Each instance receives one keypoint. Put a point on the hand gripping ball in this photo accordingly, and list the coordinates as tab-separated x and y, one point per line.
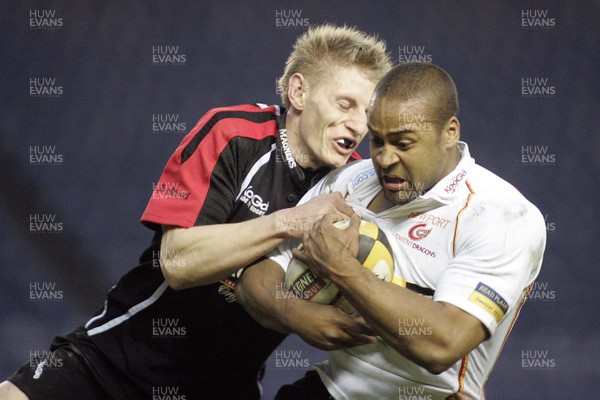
374	253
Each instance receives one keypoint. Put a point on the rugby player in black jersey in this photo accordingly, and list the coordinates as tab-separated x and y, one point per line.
225	198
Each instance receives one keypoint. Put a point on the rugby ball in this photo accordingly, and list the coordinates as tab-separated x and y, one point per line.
374	253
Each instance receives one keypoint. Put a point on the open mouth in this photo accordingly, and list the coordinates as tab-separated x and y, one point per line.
346	143
393	183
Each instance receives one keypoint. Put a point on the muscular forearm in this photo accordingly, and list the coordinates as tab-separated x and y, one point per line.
260	291
204	254
432	334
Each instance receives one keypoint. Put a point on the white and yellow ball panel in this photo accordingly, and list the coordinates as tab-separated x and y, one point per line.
374	253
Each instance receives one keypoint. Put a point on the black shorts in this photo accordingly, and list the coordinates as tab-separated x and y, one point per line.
58	374
309	387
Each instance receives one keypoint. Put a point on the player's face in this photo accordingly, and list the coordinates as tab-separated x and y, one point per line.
334	117
410	151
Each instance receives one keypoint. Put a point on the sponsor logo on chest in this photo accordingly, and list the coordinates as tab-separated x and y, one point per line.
426	224
254	202
417	233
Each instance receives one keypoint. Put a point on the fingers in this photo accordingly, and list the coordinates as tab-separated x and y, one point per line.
352	340
305	258
326	220
355	220
328	328
298	252
329	219
354	332
341	206
363	326
342	339
331	204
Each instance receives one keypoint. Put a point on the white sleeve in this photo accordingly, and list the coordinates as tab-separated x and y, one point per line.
498	253
282	254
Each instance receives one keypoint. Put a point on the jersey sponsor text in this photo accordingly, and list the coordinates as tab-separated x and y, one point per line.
430	218
452	186
287	151
254	202
487	298
407	242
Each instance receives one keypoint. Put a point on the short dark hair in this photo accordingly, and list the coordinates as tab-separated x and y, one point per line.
424	83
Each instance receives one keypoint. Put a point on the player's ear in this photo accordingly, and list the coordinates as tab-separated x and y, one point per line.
296	88
451	131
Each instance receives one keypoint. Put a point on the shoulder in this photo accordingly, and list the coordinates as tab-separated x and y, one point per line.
256	116
218	128
498	205
340	179
354	173
247	110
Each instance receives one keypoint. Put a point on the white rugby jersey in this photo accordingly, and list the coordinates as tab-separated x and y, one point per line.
473	241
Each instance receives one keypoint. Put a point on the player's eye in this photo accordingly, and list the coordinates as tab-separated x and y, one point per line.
375	140
344	105
403	145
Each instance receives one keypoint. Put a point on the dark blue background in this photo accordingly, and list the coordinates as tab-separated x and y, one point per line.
102	126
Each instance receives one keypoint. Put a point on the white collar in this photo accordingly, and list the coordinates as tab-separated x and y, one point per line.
442	193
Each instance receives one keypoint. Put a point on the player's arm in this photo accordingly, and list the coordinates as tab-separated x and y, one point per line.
431	333
8	391
204	254
261	292
450	333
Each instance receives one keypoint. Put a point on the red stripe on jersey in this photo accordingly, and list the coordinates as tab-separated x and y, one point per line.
471	194
462	373
184	184
354	156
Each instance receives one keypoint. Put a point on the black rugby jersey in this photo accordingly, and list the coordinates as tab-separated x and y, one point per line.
197	343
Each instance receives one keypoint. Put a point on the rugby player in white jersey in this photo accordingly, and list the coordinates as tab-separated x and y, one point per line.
467	247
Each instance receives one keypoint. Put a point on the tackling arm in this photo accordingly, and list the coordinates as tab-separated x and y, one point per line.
205	254
262	293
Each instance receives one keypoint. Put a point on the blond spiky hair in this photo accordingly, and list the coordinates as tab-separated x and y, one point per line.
325	45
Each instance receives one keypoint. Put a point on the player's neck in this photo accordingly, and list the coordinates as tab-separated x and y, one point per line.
380	203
